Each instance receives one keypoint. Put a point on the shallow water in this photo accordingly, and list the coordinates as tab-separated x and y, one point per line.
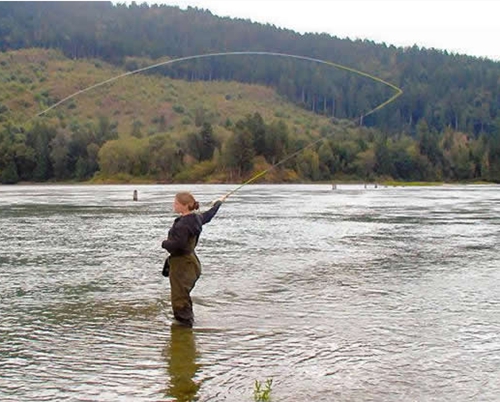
348	295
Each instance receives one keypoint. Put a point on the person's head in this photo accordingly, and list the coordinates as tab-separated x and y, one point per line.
185	203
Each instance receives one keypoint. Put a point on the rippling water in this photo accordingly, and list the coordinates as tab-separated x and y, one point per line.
387	294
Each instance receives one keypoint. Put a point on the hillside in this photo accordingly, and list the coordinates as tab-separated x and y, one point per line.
138	110
441	90
32	80
154	128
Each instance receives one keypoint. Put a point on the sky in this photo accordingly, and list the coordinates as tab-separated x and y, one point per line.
469	27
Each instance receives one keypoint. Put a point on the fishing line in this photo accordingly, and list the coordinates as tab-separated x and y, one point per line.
398	92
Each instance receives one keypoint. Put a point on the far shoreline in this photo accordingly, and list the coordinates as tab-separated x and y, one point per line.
382	183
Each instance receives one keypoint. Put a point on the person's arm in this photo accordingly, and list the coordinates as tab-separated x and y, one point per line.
177	241
208	215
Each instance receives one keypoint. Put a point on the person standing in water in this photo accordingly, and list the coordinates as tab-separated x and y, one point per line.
184	265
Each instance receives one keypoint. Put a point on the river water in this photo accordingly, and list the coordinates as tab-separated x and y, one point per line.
353	294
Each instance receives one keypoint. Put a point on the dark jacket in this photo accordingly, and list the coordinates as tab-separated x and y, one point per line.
184	234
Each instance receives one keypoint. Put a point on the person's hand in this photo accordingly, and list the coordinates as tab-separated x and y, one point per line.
221	199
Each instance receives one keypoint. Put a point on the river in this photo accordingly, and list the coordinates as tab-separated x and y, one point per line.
353	294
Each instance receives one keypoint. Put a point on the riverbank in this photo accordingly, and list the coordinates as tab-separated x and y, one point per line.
142	181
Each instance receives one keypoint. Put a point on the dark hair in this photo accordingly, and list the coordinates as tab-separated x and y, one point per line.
187	199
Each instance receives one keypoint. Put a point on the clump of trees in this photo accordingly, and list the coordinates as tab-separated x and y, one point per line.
81	152
44	152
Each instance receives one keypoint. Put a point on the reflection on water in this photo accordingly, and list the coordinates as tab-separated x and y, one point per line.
180	355
387	294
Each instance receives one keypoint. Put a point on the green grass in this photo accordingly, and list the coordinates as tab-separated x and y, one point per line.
262	392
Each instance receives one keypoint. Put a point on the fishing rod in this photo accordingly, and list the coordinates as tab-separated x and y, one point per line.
398	92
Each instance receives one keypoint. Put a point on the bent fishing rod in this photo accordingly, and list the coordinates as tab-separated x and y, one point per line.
398	92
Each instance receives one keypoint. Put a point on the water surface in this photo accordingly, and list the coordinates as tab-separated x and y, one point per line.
348	295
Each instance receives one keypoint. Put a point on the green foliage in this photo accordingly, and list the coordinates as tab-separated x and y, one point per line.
178	109
202	145
59	156
262	392
308	164
106	130
9	174
81	169
161	121
136	129
124	156
202	116
230	137
255	124
239	151
197	173
276	140
40	138
492	162
445	90
165	158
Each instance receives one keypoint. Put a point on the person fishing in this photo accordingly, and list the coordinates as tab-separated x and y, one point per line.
182	265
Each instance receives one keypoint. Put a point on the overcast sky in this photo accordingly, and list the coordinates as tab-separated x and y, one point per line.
460	26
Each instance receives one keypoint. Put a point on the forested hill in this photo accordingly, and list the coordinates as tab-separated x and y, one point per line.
444	90
223	119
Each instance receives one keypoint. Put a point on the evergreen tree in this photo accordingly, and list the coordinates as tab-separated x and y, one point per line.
239	151
208	142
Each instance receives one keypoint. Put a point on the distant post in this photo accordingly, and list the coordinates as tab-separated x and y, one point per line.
135	195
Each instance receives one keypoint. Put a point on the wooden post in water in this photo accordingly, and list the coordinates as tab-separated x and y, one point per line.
135	195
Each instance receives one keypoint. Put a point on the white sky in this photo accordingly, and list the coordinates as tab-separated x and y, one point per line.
460	26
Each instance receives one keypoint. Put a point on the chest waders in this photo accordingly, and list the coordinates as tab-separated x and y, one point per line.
184	272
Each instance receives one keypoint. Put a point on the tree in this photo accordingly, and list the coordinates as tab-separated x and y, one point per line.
59	156
93	159
201	145
365	164
326	160
24	157
39	138
462	165
124	156
81	168
239	151
136	129
428	143
308	164
9	173
257	127
276	141
106	131
494	154
383	165
404	166
114	158
194	145
208	142
165	160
